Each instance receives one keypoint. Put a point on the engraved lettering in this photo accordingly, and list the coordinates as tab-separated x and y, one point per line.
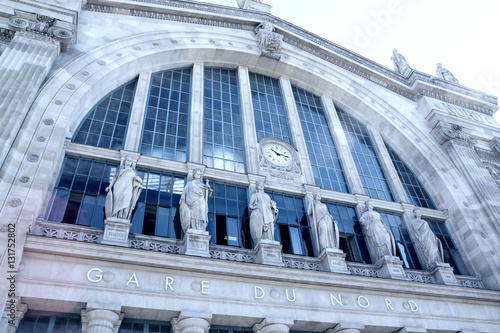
133	279
204	287
258	290
388	304
366	302
97	277
338	300
168	283
288	297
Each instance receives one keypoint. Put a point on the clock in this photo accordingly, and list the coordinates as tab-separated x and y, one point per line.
278	154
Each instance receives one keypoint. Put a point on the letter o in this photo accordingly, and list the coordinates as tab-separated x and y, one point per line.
366	300
98	276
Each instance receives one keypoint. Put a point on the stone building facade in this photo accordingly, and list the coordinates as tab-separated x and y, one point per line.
178	85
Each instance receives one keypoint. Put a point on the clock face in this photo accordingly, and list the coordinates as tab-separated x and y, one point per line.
278	154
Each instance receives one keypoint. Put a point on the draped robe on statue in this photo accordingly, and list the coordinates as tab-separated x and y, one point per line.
428	243
124	194
328	234
193	209
262	217
380	239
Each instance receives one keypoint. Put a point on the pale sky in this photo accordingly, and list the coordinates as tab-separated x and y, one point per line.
460	34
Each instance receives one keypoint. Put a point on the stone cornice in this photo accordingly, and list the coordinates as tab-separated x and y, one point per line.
413	87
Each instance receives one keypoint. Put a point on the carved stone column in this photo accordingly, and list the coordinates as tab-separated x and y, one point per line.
460	148
101	319
273	325
23	67
191	322
347	328
12	316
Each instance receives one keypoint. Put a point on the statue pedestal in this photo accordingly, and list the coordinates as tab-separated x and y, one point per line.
116	232
195	243
333	260
268	253
391	268
442	273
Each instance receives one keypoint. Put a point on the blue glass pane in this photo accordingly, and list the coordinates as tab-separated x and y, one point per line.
367	162
165	130
106	123
269	110
327	168
352	241
404	246
221	129
413	188
293	230
228	215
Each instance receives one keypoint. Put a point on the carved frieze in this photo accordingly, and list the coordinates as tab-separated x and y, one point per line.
270	42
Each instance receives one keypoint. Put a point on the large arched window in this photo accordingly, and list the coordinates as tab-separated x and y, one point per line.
79	195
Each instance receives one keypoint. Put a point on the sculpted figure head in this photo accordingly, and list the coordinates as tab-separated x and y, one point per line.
260	185
369	205
417	213
317	197
197	173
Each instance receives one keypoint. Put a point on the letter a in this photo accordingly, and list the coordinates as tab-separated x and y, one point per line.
133	279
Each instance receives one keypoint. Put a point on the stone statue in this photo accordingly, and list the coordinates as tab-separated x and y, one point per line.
193	205
400	64
326	226
270	43
380	238
430	246
123	191
445	74
263	215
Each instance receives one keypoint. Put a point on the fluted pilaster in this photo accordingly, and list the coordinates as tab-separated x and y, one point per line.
100	321
190	325
23	67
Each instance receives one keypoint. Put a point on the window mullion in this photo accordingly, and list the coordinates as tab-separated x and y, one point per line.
196	115
134	132
247	114
296	130
389	169
345	155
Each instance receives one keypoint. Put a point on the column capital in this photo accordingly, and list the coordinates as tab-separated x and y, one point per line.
273	325
447	132
347	328
101	318
412	330
192	322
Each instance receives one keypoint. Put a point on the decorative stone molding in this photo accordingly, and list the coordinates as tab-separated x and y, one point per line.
257	5
268	252
442	273
391	267
6	35
444	132
44	26
495	145
270	42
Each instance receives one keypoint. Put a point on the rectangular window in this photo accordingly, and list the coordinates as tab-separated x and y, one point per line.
271	119
223	145
166	122
228	215
367	162
323	155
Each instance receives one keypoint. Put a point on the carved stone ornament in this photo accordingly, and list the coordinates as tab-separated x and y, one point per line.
445	74
495	145
494	171
450	132
44	26
278	159
400	64
123	192
378	235
264	214
430	246
270	42
193	205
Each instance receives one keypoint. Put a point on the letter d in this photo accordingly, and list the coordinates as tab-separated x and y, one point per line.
259	292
